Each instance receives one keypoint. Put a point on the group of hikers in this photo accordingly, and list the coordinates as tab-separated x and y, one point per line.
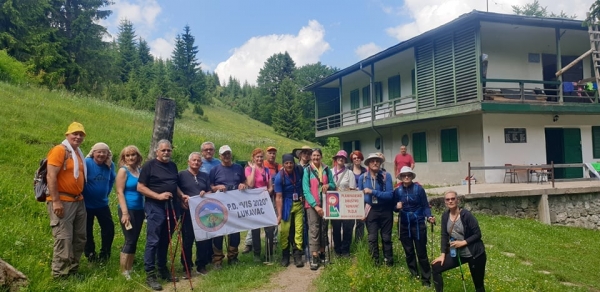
157	193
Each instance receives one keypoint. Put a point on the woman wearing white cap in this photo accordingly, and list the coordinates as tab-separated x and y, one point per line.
344	180
376	184
414	211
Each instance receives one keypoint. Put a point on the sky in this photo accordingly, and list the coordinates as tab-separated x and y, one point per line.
235	37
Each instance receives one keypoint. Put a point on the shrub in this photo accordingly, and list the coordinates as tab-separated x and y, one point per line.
13	71
198	110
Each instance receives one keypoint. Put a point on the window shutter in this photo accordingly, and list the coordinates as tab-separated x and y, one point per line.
394	87
449	145
366	96
419	142
596	141
354	99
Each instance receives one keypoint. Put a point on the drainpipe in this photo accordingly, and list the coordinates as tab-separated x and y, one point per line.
372	93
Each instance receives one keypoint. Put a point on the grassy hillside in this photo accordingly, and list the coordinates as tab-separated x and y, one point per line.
33	120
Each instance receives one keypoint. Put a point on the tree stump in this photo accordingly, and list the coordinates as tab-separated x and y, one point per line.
10	278
164	123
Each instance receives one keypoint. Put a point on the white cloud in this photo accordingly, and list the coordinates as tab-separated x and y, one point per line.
246	61
142	13
367	50
162	48
428	14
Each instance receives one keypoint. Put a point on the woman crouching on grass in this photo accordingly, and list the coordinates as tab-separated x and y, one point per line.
131	205
460	231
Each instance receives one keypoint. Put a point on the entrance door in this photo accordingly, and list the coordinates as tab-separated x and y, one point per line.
563	145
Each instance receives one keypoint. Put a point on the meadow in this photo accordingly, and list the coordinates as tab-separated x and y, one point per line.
523	255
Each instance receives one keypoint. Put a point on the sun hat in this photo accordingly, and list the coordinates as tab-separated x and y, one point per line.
102	146
75	127
297	151
407	169
341	153
224	149
373	156
271	148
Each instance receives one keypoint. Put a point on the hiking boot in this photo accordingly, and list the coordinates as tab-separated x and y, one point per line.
234	261
247	249
92	257
314	263
298	262
322	257
217	266
389	263
152	282
202	271
257	258
166	275
285	258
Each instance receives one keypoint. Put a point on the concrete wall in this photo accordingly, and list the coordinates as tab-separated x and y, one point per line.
434	172
577	210
498	153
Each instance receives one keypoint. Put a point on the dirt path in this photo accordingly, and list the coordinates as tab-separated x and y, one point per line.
292	279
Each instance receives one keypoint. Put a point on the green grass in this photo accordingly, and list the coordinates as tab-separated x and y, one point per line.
568	254
33	120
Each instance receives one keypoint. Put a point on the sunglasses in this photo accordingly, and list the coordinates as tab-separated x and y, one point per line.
450	199
405	175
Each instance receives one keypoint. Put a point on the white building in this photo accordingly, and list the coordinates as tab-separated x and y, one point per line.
435	94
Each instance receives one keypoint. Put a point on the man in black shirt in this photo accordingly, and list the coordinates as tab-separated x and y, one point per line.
158	183
224	177
193	182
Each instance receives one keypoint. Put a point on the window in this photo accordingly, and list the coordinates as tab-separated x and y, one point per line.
378	92
419	146
596	141
350	146
413	81
354	99
366	91
394	87
449	145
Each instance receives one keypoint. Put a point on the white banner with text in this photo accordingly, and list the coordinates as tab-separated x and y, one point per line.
344	205
223	213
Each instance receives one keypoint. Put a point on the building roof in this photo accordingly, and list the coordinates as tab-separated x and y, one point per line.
465	19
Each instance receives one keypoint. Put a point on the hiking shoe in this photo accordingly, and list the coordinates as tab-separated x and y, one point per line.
285	258
92	257
234	261
247	249
322	257
217	266
152	282
257	258
165	275
314	263
202	271
127	275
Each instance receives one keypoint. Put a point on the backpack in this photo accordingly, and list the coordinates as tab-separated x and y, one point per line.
40	182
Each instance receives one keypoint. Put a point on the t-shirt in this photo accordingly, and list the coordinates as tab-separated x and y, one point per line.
273	168
403	160
99	184
192	185
65	180
288	184
160	177
261	176
208	165
230	176
133	199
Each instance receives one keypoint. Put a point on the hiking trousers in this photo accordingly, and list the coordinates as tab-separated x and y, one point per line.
476	266
380	221
107	232
157	236
69	237
291	230
203	248
342	235
414	243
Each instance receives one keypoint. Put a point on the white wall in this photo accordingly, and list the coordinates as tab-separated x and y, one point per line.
498	153
434	172
508	47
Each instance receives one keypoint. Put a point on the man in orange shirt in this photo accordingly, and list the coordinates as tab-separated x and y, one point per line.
66	178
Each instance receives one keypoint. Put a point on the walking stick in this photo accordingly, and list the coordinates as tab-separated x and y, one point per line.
432	240
171	251
177	229
462	275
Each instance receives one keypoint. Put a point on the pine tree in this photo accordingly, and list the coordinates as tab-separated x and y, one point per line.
128	56
186	69
285	116
277	68
143	50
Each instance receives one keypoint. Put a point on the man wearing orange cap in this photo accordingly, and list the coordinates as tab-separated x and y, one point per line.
66	178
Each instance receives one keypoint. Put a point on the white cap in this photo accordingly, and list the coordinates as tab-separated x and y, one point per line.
224	149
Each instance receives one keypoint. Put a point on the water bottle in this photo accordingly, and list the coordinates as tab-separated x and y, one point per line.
452	249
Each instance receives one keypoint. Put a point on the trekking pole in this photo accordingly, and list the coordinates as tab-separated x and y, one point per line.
432	241
178	230
171	252
328	243
462	275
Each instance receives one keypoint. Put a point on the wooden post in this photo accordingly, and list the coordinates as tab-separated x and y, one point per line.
469	178
552	163
164	123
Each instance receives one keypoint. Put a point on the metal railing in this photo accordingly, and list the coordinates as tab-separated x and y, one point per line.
548	168
533	91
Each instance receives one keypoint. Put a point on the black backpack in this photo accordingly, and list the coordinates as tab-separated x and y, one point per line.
40	183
